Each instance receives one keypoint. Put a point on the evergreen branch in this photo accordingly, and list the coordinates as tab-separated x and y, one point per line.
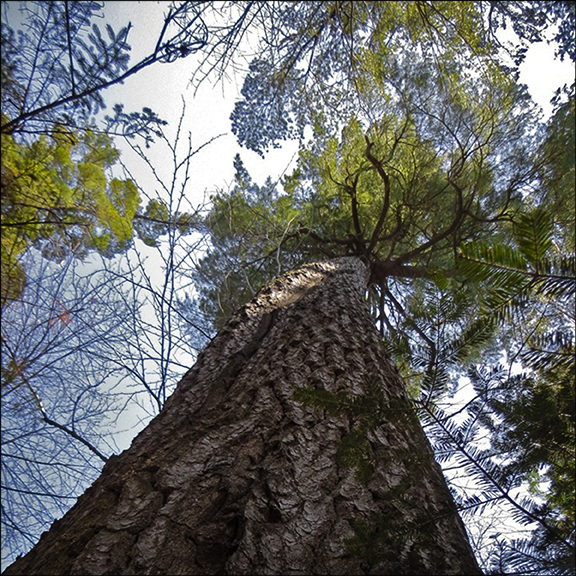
456	222
422	334
533	233
67	18
534	275
490	478
323	399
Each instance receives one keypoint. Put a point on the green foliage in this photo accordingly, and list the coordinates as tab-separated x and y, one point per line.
528	288
156	221
533	235
395	541
56	196
366	541
309	71
557	171
247	227
368	411
530	268
550	351
355	452
538	439
435	333
514	273
543	408
334	404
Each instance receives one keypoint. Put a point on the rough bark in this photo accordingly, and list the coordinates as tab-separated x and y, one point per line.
236	477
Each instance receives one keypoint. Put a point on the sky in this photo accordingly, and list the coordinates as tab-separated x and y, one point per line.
162	87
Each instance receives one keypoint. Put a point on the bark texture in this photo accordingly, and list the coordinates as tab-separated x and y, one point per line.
236	477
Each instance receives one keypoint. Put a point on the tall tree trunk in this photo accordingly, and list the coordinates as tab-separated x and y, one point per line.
236	477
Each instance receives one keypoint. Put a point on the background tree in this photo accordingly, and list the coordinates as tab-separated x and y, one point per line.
59	408
56	63
531	292
56	196
59	195
313	54
242	249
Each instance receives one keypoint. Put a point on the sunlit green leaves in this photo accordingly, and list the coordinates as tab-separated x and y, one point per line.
55	194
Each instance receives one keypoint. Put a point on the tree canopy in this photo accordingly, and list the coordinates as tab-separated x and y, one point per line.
419	152
57	196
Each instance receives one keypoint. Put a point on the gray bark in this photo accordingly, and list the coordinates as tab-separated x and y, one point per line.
236	477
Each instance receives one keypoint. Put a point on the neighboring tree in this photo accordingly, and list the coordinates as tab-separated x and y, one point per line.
310	63
56	190
244	225
163	340
58	403
530	416
56	196
237	475
558	173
